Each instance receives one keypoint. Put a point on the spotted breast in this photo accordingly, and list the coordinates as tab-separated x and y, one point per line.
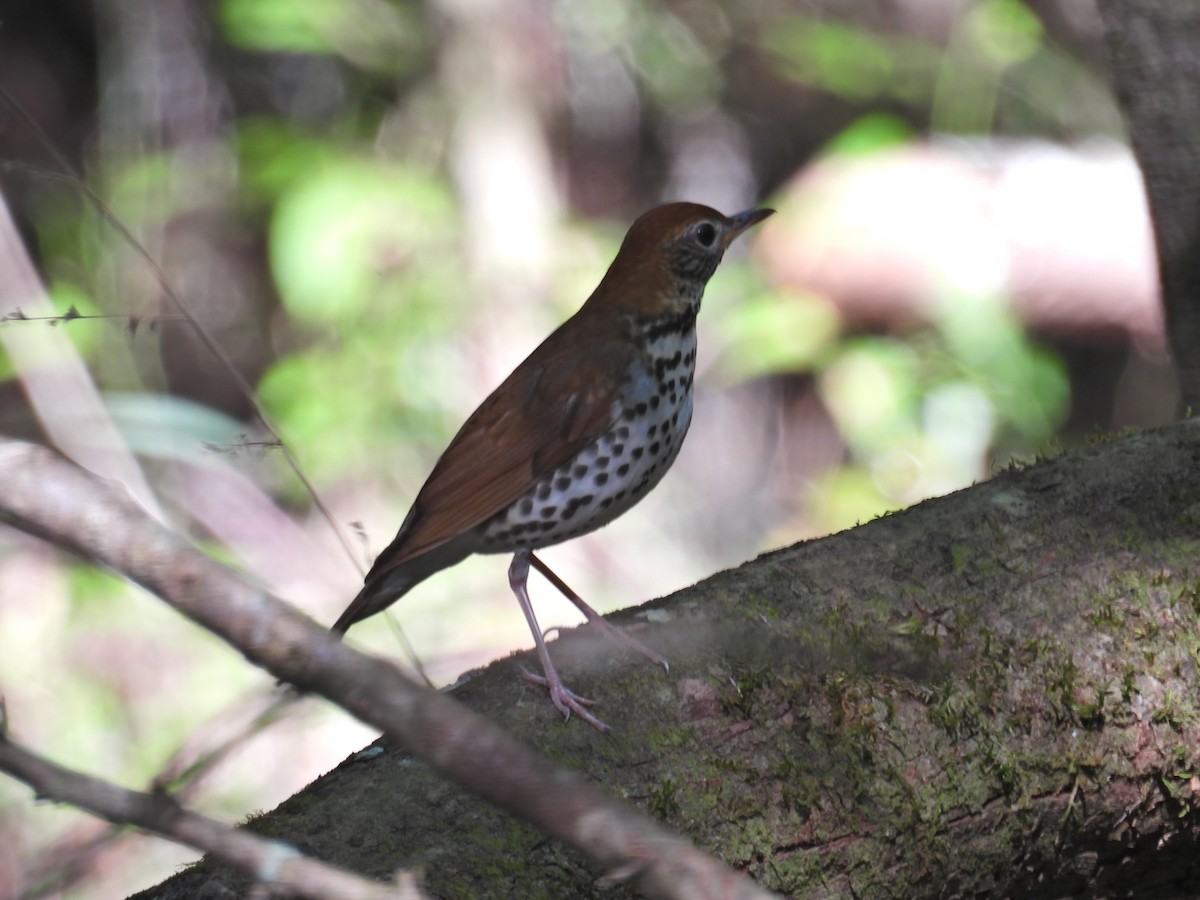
650	417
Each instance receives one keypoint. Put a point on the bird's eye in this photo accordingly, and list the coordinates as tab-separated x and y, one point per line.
705	233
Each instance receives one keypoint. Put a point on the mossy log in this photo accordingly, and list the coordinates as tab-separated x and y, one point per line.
992	693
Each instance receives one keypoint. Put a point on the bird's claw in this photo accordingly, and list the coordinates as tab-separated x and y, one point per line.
565	700
620	636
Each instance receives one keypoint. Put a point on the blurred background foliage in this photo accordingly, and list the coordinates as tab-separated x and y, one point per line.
378	207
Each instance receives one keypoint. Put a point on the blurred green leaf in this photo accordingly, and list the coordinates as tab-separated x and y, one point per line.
925	413
141	192
343	231
872	390
299	390
775	333
281	25
869	134
850	61
679	71
382	392
998	68
168	427
844	497
276	156
388	37
1005	30
1027	384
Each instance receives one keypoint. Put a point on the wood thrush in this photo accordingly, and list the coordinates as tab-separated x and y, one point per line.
577	434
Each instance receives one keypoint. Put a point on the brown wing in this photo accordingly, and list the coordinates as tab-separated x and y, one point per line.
549	409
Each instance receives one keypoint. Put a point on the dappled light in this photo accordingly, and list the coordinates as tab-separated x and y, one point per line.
376	210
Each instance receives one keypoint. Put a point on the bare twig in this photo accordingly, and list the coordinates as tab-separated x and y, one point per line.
59	387
273	863
207	747
45	495
244	388
205	750
209	342
132	322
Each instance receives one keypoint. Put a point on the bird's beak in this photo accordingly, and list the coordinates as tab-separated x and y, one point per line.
739	222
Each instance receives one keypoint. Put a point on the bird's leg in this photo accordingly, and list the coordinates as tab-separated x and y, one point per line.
564	699
595	619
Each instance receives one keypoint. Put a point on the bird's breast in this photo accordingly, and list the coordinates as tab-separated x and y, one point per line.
651	415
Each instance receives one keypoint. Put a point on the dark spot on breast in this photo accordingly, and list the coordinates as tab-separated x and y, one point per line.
651	431
654	401
641	409
600	479
562	483
601	462
547	512
636	454
579	471
622	433
654	449
548	526
526	506
623	469
543	491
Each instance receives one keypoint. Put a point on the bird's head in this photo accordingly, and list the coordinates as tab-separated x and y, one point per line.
669	254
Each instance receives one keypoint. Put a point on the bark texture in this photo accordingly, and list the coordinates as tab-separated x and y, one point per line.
1154	61
993	693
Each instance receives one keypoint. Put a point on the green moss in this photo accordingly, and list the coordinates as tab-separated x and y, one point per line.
663	801
961	555
1174	712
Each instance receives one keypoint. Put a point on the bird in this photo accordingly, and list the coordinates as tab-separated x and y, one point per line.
579	432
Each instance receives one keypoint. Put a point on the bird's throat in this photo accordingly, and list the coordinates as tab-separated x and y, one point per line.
648	331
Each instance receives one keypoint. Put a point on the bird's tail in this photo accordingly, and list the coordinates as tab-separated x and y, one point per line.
385	586
370	600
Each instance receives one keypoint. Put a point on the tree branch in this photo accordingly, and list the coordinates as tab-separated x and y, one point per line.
990	694
45	495
273	863
1154	58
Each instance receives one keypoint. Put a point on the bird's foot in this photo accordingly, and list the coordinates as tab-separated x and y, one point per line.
595	619
620	636
565	700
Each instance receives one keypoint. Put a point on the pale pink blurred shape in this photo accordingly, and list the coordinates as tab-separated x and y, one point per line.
1063	233
303	565
57	383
